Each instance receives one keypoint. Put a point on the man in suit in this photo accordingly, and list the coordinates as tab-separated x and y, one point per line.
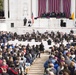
25	21
49	42
41	47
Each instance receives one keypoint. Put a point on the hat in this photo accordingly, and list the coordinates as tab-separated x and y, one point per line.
51	65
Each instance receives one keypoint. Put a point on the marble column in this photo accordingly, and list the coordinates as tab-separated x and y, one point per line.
35	7
19	9
73	7
6	9
29	8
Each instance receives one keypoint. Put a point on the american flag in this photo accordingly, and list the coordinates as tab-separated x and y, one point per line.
32	17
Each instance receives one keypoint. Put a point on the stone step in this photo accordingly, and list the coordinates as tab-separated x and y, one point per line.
38	65
37	68
35	74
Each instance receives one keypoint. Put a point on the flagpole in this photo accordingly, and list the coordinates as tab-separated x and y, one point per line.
31	10
31	6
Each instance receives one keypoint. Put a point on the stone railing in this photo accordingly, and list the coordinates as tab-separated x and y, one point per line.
2	20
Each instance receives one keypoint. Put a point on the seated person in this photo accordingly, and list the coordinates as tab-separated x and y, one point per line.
53	14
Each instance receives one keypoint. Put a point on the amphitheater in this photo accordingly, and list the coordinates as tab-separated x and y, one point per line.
41	17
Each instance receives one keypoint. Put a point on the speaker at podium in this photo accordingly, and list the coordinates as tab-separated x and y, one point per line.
62	23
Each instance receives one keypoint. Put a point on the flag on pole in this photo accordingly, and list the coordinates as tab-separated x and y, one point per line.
72	16
32	17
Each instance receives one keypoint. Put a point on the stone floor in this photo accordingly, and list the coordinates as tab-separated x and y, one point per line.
38	66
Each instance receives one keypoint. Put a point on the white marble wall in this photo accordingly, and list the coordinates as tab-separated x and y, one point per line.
6	8
13	12
19	9
23	8
35	8
52	23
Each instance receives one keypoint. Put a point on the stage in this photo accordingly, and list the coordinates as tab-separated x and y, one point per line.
40	24
52	23
49	24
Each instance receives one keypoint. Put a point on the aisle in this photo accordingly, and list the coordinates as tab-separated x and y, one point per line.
37	67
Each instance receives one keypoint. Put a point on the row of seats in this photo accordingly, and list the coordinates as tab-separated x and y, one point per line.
53	14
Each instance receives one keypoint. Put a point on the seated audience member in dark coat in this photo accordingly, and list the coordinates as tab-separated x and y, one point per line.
49	42
12	70
72	68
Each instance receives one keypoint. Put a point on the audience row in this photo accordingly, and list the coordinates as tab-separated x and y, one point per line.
16	59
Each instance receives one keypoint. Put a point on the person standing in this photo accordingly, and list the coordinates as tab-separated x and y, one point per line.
37	51
41	47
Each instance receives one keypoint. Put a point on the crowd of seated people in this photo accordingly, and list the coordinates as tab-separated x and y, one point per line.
16	59
53	14
37	36
62	59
